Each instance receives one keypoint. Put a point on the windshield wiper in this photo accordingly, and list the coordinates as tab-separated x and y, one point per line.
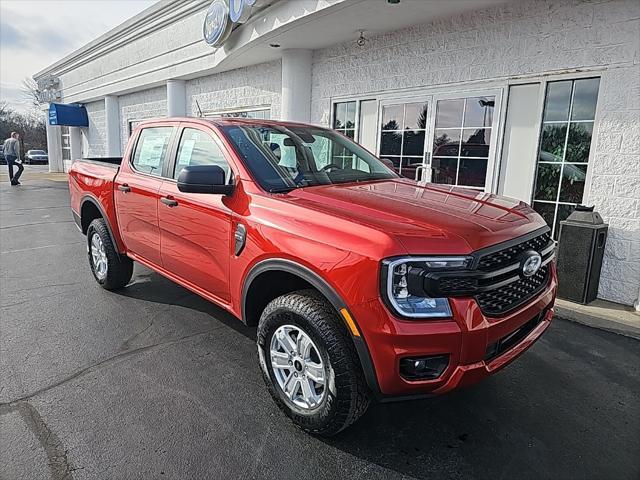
281	189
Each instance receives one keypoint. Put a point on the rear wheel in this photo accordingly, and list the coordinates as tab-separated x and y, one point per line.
310	365
110	270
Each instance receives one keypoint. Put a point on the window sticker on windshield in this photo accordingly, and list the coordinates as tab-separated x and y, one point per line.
151	151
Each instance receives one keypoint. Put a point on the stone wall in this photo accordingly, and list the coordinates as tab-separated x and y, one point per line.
257	85
96	133
139	106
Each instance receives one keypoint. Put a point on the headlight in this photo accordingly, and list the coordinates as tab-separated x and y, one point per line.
402	286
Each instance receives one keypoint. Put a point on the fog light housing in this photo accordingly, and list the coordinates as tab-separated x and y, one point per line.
423	368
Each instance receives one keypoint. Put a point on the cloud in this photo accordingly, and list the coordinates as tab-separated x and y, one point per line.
10	37
41	38
37	33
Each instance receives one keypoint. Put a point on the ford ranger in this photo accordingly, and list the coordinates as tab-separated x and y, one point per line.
362	285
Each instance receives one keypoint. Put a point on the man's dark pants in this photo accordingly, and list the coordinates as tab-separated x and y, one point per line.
11	161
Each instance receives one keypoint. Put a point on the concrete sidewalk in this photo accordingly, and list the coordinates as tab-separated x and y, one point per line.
609	316
33	173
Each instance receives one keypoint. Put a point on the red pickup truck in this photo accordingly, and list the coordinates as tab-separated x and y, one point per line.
362	284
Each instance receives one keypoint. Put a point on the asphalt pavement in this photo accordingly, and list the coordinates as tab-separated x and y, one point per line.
155	383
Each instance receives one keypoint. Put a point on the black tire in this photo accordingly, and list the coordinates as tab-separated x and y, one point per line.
119	267
347	396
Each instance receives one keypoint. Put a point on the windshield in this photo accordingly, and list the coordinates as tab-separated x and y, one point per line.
284	158
36	152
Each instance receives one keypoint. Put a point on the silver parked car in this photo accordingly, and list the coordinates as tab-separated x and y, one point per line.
36	156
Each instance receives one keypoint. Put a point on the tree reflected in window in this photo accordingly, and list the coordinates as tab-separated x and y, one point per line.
565	144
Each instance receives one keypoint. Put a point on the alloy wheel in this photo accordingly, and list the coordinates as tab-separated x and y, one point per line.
298	367
99	257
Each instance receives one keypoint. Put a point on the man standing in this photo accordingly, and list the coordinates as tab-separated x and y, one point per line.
12	155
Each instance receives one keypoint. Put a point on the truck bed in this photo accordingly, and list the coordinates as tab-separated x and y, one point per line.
93	178
108	161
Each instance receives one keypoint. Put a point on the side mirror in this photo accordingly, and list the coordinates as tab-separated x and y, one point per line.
204	179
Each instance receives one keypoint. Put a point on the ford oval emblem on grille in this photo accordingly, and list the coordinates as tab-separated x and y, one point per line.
530	263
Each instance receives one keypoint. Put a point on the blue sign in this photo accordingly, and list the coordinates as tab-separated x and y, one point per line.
222	16
72	115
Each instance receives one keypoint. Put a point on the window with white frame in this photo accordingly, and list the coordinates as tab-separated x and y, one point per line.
344	121
565	144
66	142
344	118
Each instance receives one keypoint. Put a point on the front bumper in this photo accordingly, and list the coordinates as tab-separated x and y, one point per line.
465	338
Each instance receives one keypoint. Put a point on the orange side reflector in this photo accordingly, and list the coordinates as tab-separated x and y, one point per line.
352	325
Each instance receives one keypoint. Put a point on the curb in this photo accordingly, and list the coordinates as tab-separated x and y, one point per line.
598	322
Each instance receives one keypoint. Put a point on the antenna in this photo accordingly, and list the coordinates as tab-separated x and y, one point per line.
199	110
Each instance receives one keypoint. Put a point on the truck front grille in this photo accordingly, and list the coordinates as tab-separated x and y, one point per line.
504	299
496	280
502	258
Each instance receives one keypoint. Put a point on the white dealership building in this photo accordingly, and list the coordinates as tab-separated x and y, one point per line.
534	99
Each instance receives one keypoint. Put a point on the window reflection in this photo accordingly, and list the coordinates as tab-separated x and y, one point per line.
565	144
472	172
553	141
584	99
449	113
402	136
344	121
579	142
463	131
558	100
479	112
444	170
447	143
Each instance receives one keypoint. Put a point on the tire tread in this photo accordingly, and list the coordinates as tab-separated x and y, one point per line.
120	268
354	396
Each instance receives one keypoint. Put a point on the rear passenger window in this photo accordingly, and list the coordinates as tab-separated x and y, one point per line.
199	148
151	150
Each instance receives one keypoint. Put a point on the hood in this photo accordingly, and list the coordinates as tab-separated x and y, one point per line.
425	219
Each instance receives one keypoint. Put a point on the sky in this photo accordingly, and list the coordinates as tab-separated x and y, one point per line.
35	34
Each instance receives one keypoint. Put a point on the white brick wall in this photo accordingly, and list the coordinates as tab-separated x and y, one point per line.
519	38
97	141
256	85
138	106
615	188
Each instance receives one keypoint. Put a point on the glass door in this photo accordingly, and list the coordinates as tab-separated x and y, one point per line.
463	139
448	138
403	127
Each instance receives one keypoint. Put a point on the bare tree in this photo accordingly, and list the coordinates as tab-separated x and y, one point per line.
32	93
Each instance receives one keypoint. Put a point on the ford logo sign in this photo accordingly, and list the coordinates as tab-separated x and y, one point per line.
222	16
530	263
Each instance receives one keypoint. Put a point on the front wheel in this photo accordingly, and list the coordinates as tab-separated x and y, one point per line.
310	364
110	270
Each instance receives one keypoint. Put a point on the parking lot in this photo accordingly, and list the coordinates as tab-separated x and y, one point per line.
154	382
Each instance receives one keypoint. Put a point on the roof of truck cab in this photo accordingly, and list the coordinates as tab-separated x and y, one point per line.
224	121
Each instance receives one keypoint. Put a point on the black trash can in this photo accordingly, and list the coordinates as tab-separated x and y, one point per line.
580	251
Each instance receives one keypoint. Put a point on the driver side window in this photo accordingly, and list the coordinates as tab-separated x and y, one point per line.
199	148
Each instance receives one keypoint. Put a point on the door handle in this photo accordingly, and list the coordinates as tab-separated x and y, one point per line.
169	202
124	188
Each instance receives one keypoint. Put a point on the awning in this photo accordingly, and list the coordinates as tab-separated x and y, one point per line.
71	115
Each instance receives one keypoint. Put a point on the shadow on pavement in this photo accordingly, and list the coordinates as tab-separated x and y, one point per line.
153	287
